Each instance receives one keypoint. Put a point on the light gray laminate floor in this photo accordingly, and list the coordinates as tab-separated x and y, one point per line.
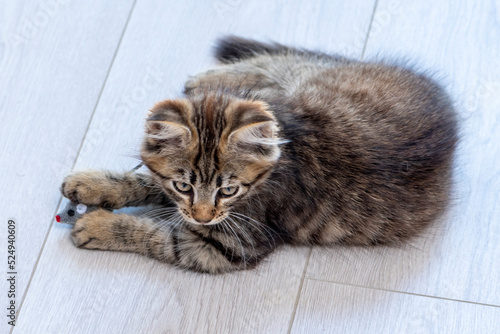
76	80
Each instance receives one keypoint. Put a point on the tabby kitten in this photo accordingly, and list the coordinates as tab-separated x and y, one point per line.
278	146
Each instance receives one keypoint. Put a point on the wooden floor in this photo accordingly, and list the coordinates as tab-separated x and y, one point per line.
76	79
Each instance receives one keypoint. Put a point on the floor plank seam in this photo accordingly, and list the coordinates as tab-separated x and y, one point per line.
401	292
302	278
104	83
35	267
369	29
46	237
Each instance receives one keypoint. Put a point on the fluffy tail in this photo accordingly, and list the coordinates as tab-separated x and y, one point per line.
230	49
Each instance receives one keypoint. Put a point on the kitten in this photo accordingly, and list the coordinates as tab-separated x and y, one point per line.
278	146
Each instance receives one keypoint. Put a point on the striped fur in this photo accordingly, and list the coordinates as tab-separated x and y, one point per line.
312	150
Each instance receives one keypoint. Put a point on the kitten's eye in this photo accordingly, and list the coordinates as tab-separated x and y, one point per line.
228	191
182	187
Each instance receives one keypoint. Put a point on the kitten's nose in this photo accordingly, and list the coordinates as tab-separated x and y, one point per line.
203	214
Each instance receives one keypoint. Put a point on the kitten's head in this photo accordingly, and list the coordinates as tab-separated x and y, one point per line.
209	152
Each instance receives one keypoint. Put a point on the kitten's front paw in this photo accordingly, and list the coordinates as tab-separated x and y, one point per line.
91	188
94	230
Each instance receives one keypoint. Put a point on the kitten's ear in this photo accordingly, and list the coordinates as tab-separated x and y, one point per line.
167	125
254	128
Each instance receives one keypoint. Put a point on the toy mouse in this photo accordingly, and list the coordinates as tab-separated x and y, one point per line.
72	212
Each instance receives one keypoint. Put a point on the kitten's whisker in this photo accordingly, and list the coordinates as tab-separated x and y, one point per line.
224	222
162	210
177	222
258	225
239	241
163	217
160	217
245	235
225	234
147	237
267	236
157	196
170	224
159	210
155	224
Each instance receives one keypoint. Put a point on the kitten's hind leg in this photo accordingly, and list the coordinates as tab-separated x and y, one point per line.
112	190
261	68
260	76
176	242
238	77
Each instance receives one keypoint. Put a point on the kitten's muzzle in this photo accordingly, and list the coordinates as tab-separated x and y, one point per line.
203	214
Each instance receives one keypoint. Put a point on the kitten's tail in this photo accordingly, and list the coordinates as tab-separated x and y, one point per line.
230	49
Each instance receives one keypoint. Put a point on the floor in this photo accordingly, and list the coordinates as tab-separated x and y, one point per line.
76	79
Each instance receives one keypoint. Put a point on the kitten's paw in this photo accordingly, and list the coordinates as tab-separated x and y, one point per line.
92	188
95	231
